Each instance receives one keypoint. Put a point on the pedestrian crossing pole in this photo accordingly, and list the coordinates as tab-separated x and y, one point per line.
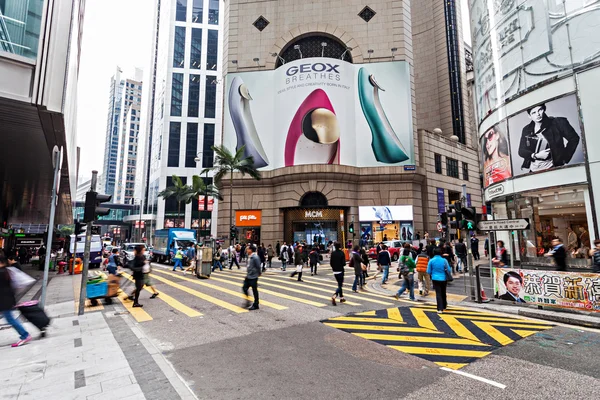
86	253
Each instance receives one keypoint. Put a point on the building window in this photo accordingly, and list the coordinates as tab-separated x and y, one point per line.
208	142
196	48
191	145
20	23
452	167
174	141
465	167
213	12
438	163
181	10
176	95
210	101
179	48
194	96
212	49
197	8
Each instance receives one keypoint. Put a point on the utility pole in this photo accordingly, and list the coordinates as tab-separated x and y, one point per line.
86	252
56	161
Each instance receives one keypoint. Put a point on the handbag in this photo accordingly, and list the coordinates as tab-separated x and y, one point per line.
448	271
19	280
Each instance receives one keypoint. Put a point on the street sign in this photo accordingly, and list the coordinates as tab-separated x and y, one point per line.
439	226
504	225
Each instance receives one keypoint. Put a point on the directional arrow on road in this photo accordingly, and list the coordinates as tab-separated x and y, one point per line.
504	225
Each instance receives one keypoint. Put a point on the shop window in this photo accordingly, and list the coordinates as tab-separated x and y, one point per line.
452	167
314	199
438	163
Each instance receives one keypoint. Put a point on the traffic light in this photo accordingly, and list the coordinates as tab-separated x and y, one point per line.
469	218
92	201
454	215
351	228
79	228
233	232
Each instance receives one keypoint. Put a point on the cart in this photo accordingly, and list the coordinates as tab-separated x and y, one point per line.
103	290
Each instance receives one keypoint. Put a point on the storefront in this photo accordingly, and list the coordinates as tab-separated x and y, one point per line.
383	223
249	223
314	225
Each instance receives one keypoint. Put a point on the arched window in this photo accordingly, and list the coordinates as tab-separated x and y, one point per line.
315	45
313	199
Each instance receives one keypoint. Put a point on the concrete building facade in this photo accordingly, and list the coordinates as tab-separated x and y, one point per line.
262	36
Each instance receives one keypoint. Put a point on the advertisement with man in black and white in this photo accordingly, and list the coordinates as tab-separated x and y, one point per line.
547	141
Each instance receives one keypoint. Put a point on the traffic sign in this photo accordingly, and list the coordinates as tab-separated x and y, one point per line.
439	226
504	225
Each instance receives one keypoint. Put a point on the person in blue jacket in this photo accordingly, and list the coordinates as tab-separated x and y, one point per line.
436	268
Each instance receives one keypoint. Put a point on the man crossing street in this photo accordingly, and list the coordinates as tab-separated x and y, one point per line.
252	274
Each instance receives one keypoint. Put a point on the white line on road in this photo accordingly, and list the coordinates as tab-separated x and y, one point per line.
478	378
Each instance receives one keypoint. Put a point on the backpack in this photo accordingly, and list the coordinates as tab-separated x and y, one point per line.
402	268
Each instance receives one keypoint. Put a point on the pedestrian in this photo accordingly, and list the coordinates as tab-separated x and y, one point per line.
217	258
406	267
420	250
429	248
278	248
595	255
501	259
283	256
147	280
366	262
383	262
438	268
252	274
241	250
426	236
461	255
337	261
8	302
262	257
422	276
475	247
356	264
13	261
448	255
178	259
486	247
298	262
313	258
233	256
559	254
113	262
137	268
270	255
191	254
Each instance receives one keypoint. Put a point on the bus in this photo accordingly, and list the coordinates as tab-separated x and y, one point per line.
77	247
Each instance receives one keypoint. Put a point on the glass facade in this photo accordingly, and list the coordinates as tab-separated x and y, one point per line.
212	50
179	48
207	144
191	145
213	12
20	23
194	96
181	10
176	95
196	49
174	141
197	8
174	213
210	101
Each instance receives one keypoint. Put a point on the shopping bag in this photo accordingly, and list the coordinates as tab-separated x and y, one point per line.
299	268
19	280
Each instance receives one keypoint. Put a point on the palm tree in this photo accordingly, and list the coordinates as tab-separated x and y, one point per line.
227	162
199	188
181	192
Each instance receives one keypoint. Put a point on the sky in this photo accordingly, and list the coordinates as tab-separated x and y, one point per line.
119	33
115	32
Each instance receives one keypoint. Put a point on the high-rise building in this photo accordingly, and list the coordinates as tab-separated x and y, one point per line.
182	121
353	113
122	135
40	43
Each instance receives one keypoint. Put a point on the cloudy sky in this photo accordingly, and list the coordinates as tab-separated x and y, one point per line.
118	32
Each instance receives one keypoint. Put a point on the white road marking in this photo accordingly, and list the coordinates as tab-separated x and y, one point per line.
478	378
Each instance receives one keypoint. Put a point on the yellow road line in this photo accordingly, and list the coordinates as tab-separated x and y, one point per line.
422	319
394	313
382	328
493	320
420	339
136	312
436	351
451	365
361	319
524	333
458	328
190	312
305	292
231	292
367	313
494	333
202	296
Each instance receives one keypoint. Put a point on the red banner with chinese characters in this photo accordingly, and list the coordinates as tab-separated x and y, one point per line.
578	290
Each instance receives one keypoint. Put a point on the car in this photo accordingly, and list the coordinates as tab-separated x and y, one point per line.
108	250
394	247
127	251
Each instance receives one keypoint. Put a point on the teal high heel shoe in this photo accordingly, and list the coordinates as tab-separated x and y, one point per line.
387	148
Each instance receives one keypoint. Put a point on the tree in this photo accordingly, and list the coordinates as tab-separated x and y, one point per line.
179	191
227	162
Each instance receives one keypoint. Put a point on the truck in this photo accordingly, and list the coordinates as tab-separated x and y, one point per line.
167	241
77	245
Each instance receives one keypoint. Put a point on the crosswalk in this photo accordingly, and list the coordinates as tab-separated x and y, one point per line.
192	297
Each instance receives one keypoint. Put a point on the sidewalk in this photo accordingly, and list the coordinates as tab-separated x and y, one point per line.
99	355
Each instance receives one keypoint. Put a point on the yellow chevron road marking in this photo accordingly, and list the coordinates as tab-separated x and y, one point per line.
419	339
422	319
381	328
441	351
394	314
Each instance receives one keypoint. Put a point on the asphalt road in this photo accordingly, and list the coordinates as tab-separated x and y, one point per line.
284	351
